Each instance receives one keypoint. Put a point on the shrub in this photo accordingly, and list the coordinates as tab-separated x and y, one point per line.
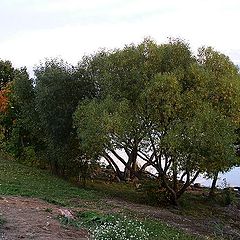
227	194
153	192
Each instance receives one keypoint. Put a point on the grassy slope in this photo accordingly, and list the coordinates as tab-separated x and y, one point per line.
20	180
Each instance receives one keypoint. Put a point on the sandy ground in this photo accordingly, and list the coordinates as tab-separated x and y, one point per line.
28	218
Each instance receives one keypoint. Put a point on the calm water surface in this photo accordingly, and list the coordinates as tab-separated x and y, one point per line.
232	178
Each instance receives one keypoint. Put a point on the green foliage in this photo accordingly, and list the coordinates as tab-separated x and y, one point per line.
153	192
176	112
226	195
53	91
159	103
205	142
29	157
92	131
20	117
59	88
6	73
162	99
92	218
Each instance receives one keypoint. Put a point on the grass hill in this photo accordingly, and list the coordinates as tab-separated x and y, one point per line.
103	215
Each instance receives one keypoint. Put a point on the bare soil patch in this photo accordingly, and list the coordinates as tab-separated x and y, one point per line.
28	218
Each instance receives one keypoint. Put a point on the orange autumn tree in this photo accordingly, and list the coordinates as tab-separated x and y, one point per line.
6	78
7	73
4	98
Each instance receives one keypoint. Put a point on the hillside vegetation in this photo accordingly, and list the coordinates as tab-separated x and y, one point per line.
161	106
134	128
19	180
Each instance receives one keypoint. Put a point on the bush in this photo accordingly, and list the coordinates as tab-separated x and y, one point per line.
227	195
153	192
28	157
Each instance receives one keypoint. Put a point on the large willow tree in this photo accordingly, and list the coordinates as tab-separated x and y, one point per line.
165	108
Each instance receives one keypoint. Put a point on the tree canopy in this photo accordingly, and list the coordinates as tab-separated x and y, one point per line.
144	106
165	108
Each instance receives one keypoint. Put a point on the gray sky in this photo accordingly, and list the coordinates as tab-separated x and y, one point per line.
31	30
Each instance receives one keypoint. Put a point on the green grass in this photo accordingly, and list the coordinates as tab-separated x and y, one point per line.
19	180
204	206
163	231
125	191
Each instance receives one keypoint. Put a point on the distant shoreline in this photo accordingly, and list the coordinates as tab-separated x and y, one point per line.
232	178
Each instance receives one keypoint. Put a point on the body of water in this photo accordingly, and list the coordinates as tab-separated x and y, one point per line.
232	178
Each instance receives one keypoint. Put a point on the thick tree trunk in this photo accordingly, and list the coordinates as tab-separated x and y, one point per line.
214	183
175	181
128	168
173	199
133	162
115	167
187	183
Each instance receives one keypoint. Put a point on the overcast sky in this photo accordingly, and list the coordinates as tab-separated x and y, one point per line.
31	30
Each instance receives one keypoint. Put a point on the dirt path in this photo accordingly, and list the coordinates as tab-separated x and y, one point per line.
28	218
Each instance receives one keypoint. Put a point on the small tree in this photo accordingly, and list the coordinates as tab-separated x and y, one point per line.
59	88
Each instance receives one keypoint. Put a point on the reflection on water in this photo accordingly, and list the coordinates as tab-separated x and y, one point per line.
232	178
